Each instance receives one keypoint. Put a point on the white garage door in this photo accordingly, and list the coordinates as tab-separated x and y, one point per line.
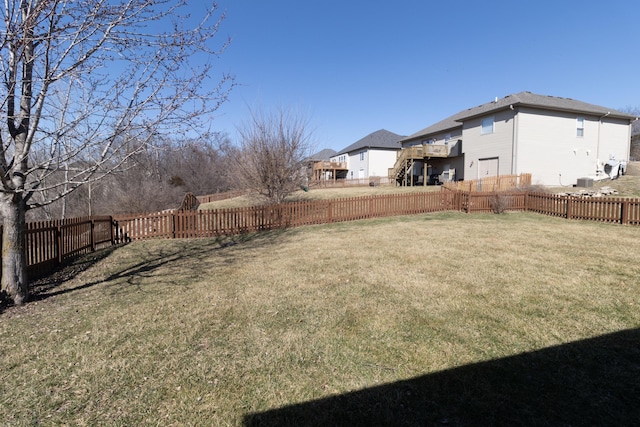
488	167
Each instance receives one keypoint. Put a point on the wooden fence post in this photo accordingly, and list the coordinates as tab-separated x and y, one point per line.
113	224
92	237
59	244
624	214
173	224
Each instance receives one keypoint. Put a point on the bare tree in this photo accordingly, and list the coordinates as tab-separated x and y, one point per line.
155	179
634	153
87	84
163	176
197	167
270	158
635	125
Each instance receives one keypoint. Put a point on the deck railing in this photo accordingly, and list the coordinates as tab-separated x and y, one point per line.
325	164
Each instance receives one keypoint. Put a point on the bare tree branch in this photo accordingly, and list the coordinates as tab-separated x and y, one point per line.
88	84
271	156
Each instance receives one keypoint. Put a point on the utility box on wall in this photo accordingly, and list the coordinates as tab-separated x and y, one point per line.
585	182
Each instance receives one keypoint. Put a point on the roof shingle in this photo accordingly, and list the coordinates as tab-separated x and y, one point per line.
379	139
325	154
527	99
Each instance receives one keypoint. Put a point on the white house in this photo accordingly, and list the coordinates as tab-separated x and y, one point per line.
371	156
557	140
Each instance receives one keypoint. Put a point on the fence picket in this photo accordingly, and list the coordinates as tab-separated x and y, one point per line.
239	220
50	243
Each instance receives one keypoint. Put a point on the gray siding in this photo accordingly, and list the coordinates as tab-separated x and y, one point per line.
548	145
498	144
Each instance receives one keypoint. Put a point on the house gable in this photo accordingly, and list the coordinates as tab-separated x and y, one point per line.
372	155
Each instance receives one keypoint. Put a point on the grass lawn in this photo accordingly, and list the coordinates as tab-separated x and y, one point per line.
440	319
321	194
627	185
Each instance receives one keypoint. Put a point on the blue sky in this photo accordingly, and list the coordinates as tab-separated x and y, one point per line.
354	67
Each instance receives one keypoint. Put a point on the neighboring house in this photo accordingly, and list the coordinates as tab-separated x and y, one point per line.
371	156
557	140
321	168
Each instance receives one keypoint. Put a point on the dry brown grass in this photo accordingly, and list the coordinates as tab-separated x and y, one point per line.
625	186
319	194
204	332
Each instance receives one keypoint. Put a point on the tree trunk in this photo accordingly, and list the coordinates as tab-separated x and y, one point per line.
14	260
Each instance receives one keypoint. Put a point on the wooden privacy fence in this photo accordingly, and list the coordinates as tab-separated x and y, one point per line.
604	209
491	183
179	224
372	181
218	222
50	243
488	202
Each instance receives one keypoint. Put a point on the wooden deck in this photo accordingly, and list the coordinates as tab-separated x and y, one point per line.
407	157
320	169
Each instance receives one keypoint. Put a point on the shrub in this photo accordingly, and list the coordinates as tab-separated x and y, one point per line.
498	203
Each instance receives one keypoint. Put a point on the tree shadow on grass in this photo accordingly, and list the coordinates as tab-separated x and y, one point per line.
594	382
150	261
44	286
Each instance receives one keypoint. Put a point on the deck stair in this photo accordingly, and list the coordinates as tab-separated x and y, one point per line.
404	162
408	156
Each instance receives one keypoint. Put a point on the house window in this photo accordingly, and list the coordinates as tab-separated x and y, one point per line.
447	138
362	156
487	125
580	127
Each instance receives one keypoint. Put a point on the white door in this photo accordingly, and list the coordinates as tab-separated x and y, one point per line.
487	167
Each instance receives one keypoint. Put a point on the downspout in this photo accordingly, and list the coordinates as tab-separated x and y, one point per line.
514	141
